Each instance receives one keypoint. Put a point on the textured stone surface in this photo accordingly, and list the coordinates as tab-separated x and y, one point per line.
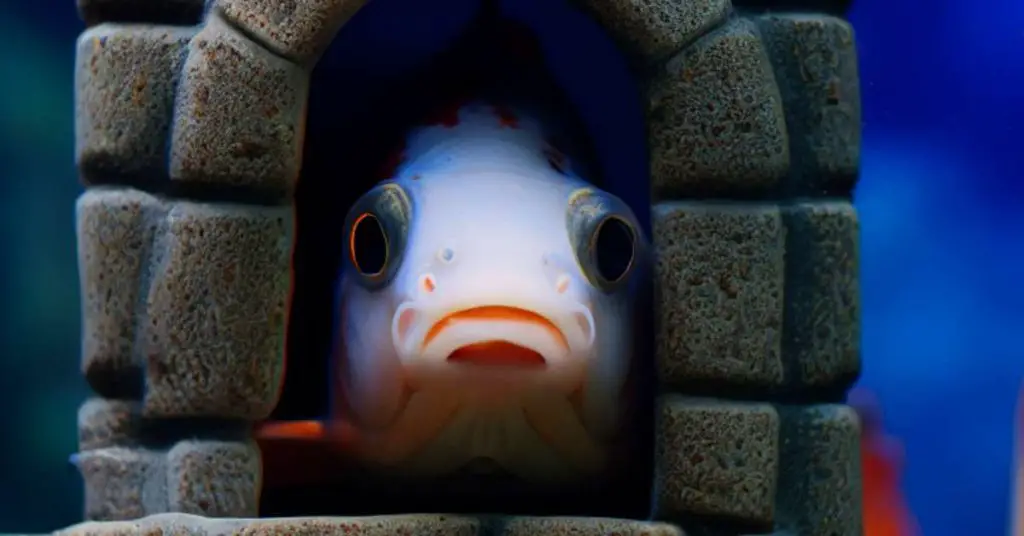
815	62
820	471
585	526
122	483
581	526
124	81
716	458
716	126
108	423
821	339
297	29
217	308
655	30
239	115
214	478
177	12
719	280
115	232
388	525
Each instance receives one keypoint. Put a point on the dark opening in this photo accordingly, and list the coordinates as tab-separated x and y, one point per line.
394	60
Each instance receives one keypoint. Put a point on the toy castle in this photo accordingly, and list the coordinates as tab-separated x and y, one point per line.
186	295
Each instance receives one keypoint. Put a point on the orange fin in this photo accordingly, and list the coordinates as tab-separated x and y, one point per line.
291	430
299	453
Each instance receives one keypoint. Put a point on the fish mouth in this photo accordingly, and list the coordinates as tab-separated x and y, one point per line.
498	336
496	313
497	354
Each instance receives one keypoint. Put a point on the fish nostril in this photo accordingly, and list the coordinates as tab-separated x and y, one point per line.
427	283
562	283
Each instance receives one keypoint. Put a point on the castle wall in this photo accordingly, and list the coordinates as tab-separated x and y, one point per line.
754	135
189	140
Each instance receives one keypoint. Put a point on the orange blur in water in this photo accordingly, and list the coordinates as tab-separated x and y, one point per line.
885	509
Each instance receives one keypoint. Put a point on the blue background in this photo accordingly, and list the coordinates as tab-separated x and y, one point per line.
941	202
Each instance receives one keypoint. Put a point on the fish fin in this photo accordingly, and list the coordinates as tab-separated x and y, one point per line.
309	430
302	453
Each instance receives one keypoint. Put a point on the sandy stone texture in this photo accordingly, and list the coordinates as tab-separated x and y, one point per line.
214	478
820	471
115	229
125	77
716	458
296	29
815	62
719	279
822	329
239	116
651	31
390	525
716	124
217	311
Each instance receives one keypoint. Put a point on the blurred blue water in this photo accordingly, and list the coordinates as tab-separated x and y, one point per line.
941	202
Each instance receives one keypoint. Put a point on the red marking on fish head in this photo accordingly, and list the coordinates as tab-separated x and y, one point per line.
506	118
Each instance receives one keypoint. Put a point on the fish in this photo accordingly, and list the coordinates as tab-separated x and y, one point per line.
886	512
487	304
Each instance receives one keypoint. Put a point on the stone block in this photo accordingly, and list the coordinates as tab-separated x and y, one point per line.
717	459
820	471
716	125
171	12
103	528
187	524
298	29
217	310
719	277
214	478
239	115
815	61
108	423
122	483
124	93
653	31
115	231
821	338
383	525
584	526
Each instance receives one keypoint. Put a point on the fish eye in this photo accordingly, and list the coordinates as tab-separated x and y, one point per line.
368	245
613	247
377	228
604	237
